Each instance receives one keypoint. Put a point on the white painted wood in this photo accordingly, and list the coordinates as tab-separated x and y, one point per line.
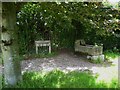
41	44
50	49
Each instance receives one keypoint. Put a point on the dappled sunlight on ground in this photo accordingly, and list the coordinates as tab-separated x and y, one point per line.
67	63
107	73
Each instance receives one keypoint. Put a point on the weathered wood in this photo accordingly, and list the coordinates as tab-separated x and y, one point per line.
88	49
9	46
94	52
42	43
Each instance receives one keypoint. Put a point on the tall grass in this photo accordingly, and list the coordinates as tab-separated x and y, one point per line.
111	54
59	79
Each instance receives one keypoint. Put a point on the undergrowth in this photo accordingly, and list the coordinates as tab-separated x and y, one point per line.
111	54
59	79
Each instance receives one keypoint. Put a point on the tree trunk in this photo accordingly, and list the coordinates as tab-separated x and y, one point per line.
12	69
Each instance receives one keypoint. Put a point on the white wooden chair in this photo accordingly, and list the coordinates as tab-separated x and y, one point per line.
41	44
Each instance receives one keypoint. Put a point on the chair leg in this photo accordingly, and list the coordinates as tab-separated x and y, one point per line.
49	49
36	50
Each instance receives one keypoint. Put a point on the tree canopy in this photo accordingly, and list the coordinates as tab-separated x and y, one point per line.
63	22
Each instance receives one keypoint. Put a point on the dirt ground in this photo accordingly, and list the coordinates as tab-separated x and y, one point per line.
63	61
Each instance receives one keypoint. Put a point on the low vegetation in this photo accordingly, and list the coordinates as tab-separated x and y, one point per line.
98	61
59	79
109	54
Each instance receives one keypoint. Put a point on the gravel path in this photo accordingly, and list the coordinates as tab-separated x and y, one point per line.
63	61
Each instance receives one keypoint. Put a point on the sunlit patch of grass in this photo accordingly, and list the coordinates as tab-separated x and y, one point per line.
114	83
111	55
109	84
107	74
59	79
0	82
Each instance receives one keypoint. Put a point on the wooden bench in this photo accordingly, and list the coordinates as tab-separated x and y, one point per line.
41	44
93	51
80	46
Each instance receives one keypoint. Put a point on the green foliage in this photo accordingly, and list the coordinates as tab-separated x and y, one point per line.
63	23
59	79
98	61
111	54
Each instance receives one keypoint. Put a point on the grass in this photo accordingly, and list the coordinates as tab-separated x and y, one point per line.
98	61
0	82
59	79
111	54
